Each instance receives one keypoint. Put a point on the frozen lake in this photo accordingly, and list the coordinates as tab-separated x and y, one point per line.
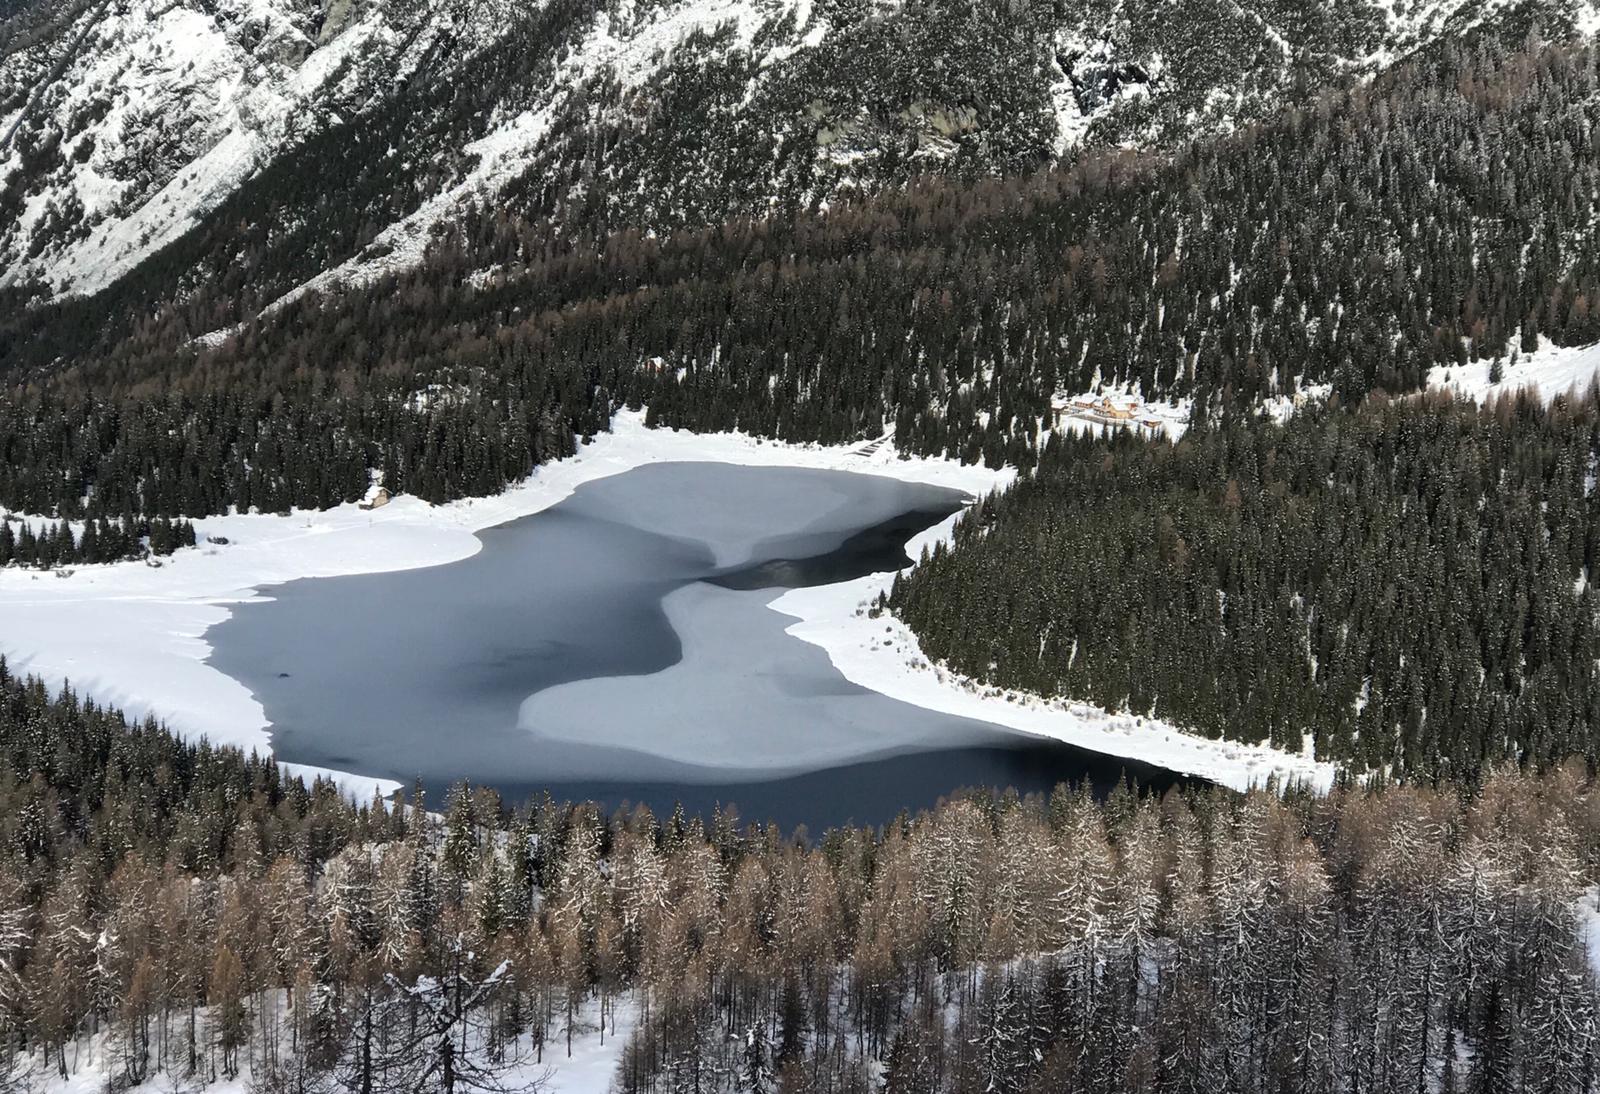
619	645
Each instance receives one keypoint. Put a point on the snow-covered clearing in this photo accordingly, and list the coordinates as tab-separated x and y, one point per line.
593	1064
1587	911
133	635
1552	370
1168	419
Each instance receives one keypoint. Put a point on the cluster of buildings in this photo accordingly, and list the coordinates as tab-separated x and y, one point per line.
1116	411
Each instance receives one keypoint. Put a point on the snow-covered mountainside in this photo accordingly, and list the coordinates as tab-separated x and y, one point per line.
300	144
138	117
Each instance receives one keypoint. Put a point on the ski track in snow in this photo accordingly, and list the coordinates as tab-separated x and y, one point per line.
133	635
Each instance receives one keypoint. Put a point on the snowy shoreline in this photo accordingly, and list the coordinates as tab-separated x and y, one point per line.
883	654
133	635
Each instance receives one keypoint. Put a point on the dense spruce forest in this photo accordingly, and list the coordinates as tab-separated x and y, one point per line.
253	448
176	910
1407	584
1443	211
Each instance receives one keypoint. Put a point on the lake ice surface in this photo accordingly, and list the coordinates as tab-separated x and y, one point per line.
622	637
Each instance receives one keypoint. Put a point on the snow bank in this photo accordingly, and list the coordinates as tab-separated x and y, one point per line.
744	703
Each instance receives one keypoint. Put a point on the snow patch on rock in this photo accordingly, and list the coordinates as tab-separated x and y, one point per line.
629	44
174	106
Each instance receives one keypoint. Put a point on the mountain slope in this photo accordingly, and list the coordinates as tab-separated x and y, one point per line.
292	146
161	110
1442	213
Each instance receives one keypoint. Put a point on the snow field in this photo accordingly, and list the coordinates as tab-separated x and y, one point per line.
1550	370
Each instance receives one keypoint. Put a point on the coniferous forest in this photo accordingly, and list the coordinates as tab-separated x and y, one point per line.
1407	584
190	913
56	544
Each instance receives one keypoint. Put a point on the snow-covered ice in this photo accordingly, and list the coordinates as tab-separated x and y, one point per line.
743	702
134	635
611	622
